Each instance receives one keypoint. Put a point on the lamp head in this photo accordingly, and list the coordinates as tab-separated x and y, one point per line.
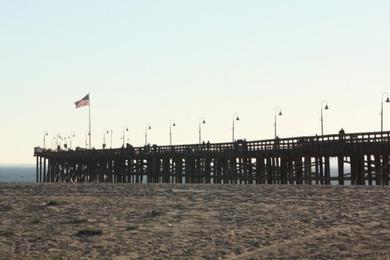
388	100
149	127
280	113
326	107
204	121
237	119
174	124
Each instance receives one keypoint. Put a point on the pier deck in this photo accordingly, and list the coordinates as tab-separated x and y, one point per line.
360	158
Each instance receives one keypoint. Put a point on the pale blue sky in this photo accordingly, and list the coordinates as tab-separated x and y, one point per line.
154	61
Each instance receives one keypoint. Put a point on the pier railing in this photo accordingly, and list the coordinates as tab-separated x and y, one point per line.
251	146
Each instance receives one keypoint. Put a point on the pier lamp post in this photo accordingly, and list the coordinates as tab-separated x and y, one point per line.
147	128
171	124
104	139
44	139
278	112
124	131
324	106
111	132
202	121
384	96
235	118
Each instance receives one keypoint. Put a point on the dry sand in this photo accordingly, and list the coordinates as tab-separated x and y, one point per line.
193	221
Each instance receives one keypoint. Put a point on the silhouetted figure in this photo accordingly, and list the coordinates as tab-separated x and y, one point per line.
301	141
276	142
245	144
341	134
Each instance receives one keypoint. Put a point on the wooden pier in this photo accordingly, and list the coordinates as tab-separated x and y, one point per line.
356	159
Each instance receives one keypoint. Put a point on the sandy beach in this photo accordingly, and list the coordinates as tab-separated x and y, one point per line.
155	221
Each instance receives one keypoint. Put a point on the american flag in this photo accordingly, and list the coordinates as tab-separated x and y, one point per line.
83	102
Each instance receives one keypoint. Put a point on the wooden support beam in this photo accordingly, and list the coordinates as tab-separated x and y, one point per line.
236	170
40	169
340	169
321	165
166	170
353	170
385	160
260	171
225	170
308	170
251	170
327	170
190	170
290	172
244	174
269	171
207	169
179	170
283	170
197	171
317	172
299	170
378	169
217	170
369	170
49	179
275	171
37	168
360	170
149	170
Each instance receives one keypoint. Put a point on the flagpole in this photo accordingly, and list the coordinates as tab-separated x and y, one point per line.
90	147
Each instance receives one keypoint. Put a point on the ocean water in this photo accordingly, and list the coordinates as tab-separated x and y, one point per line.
24	173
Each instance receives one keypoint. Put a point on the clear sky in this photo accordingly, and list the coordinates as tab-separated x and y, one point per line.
156	61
